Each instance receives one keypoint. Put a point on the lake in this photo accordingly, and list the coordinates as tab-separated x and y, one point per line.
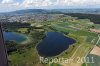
53	44
12	36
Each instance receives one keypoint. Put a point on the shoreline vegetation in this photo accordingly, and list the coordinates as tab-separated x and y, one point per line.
69	48
72	27
27	38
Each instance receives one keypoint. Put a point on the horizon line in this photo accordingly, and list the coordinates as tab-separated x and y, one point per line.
46	9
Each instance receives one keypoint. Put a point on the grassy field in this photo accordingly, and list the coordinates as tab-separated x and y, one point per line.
96	60
23	30
55	64
82	46
26	57
83	64
76	29
26	54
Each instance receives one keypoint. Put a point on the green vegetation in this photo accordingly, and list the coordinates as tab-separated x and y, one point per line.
26	54
24	57
96	60
23	30
78	29
83	64
55	64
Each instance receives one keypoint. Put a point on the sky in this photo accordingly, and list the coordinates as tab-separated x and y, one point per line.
12	5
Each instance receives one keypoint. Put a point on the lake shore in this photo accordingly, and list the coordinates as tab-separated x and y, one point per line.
26	39
61	52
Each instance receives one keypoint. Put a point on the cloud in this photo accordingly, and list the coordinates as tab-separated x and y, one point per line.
22	4
79	3
9	3
36	3
86	2
46	3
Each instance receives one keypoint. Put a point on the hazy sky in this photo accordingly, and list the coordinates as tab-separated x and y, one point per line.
11	5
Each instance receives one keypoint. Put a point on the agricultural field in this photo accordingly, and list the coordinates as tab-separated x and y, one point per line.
72	27
96	60
23	30
79	30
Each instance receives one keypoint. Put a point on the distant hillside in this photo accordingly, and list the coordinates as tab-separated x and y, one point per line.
29	11
93	17
87	11
26	11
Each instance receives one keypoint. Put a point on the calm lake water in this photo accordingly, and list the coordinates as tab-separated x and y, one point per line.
14	37
53	44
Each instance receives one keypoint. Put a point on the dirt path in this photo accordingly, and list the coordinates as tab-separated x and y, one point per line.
76	51
73	64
